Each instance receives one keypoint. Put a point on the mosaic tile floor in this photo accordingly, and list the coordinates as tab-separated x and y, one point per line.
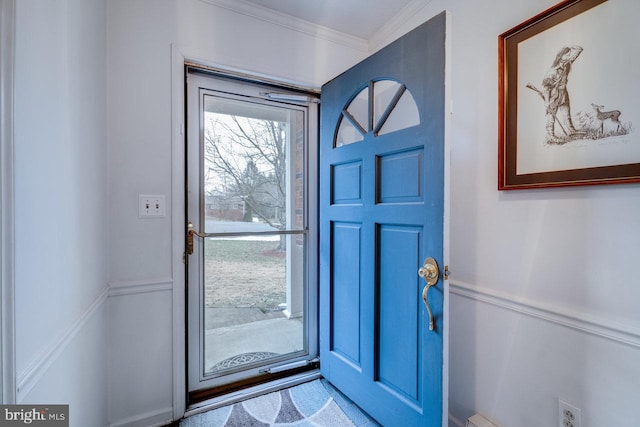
312	404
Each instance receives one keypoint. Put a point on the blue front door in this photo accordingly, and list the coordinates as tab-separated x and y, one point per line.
381	215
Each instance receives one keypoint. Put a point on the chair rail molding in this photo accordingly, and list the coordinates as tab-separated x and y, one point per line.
132	287
28	378
584	322
7	322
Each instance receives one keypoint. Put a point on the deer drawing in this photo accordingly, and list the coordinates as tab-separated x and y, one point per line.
612	115
555	94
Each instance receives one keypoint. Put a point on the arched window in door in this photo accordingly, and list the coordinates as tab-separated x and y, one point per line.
384	106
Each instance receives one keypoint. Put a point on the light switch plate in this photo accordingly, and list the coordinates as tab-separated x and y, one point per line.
152	206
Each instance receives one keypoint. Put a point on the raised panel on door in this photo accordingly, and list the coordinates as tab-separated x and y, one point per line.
381	214
398	349
345	291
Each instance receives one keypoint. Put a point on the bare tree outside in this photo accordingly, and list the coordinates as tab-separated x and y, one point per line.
245	169
251	187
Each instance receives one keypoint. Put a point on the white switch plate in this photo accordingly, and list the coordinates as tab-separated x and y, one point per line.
152	206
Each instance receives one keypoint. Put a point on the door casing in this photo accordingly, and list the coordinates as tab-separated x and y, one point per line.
178	220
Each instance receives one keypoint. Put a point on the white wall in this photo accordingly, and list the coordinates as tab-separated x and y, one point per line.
543	292
146	274
139	37
543	295
60	205
263	43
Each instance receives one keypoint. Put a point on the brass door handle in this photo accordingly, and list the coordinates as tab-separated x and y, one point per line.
430	273
190	233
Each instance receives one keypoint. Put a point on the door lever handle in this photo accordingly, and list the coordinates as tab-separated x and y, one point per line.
190	233
430	273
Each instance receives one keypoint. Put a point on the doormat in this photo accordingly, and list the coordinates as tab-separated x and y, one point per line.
242	359
313	404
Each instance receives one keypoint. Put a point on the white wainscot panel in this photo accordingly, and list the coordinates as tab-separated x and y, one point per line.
73	371
512	361
140	354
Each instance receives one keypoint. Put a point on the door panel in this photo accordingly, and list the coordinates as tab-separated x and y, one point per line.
399	176
252	273
345	291
398	252
346	183
381	215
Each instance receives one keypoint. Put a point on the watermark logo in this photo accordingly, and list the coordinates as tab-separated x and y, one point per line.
34	415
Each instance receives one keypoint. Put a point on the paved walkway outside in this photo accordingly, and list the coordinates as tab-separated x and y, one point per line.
234	331
216	317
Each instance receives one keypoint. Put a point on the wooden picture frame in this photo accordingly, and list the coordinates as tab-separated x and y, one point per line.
557	72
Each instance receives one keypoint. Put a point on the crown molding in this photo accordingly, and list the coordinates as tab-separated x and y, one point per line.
292	23
386	33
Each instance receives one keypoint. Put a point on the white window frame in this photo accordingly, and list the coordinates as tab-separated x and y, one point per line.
7	329
178	120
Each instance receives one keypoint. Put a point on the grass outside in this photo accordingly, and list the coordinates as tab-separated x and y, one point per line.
244	273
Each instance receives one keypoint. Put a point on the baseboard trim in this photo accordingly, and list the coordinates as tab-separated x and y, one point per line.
134	287
579	321
453	421
157	418
38	368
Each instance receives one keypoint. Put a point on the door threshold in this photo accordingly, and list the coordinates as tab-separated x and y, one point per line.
248	393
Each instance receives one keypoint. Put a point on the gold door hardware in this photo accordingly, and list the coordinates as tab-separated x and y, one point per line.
191	233
430	273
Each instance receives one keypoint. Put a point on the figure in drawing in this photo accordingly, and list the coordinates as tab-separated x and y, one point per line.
555	94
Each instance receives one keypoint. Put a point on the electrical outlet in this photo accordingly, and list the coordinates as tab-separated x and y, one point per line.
150	206
568	415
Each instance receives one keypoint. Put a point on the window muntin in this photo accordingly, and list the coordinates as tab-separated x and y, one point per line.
384	106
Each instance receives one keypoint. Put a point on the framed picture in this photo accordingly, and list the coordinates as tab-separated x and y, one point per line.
569	95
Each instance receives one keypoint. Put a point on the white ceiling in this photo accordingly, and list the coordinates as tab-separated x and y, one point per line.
359	18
